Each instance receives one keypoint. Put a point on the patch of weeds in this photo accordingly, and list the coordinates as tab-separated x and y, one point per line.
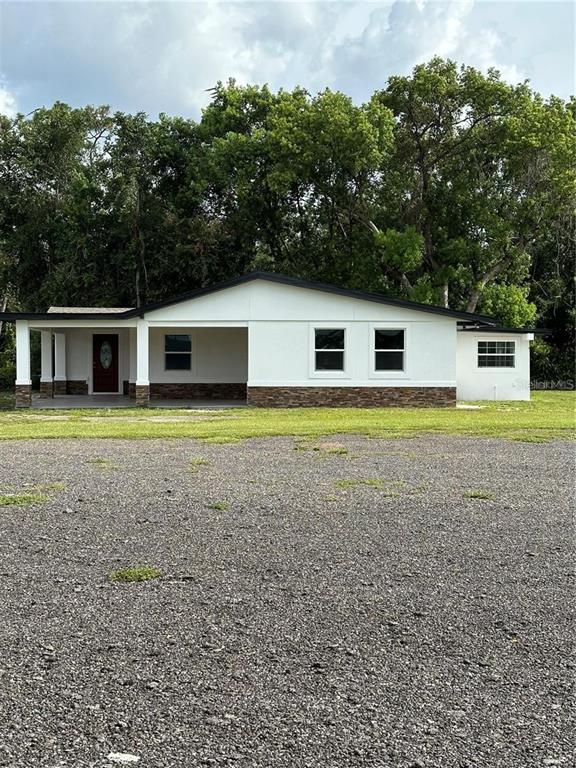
58	486
346	483
195	464
22	499
337	451
403	454
218	505
135	573
478	495
102	463
531	439
221	440
331	498
373	483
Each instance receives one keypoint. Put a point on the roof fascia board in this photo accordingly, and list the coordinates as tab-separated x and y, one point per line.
497	329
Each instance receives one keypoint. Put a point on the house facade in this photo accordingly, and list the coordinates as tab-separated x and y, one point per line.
271	340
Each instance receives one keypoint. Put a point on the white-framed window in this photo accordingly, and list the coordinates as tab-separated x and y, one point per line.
389	349
329	349
496	354
177	352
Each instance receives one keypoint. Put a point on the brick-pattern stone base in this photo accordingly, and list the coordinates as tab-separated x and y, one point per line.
23	394
60	387
132	390
76	387
142	395
354	397
46	389
198	391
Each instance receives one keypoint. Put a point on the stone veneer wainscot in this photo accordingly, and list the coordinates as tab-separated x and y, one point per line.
353	397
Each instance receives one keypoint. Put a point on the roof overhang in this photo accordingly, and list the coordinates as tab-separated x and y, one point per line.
499	329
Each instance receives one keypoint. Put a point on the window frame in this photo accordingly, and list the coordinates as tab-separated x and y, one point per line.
173	352
491	368
328	374
389	374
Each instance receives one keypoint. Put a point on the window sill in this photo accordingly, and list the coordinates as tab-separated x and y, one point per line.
329	375
389	375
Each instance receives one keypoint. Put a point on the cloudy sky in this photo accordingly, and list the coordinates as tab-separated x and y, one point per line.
163	56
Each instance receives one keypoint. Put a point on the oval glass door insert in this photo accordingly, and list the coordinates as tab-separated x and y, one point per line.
105	355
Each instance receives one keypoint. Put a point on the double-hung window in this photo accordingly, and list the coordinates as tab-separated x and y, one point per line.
496	354
389	349
177	351
329	349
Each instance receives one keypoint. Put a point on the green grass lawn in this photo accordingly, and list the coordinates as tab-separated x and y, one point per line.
547	416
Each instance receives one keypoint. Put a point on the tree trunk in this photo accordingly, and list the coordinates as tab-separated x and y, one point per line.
3	305
483	282
138	302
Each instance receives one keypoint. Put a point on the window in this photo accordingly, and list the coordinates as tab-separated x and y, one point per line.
177	352
329	349
388	349
496	354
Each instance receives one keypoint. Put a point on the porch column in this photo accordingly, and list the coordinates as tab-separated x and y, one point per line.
59	363
132	374
23	381
46	376
142	375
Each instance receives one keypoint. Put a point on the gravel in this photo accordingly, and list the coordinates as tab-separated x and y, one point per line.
387	620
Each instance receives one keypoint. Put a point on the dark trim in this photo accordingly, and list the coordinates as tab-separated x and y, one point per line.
497	329
8	316
377	298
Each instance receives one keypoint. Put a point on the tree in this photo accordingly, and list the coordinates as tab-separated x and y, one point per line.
447	186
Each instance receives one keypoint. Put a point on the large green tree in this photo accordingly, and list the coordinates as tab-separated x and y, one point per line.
447	186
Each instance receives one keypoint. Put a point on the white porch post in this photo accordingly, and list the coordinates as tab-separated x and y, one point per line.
132	374
142	364
59	363
23	380
46	376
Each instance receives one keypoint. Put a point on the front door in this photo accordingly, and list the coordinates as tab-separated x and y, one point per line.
105	362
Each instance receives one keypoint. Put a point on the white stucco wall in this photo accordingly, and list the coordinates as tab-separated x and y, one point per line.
474	383
281	320
263	333
218	355
283	353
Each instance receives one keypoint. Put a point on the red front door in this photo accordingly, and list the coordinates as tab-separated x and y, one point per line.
105	362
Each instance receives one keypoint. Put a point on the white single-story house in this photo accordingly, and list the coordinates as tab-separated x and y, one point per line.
271	340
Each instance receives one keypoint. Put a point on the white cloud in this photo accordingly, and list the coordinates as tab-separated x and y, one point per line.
412	33
7	102
164	56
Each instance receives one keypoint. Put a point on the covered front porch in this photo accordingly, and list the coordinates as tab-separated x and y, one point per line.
105	364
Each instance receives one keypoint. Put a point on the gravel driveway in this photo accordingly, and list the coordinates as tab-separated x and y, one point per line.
327	604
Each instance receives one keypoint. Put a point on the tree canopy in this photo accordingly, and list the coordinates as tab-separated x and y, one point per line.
448	186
